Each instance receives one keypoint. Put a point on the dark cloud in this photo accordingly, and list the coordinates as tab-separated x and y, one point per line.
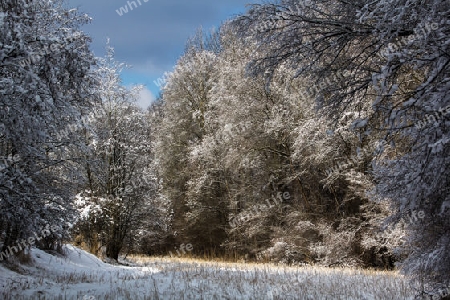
152	36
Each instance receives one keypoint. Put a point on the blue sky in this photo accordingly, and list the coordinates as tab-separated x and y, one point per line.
151	37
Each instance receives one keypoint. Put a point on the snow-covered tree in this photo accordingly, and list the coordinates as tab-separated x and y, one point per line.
46	84
251	133
250	142
416	74
186	104
119	182
394	57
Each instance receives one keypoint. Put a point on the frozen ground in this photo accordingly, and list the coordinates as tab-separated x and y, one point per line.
80	275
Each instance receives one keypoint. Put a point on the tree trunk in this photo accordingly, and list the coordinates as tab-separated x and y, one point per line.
113	250
114	244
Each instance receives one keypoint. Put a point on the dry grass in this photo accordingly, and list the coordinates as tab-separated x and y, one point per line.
188	278
271	281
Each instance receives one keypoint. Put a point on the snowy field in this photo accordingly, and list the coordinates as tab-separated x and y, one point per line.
80	275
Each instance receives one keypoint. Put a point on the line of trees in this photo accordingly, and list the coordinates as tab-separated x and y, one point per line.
74	148
252	74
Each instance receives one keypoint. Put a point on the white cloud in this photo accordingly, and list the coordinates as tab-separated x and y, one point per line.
151	68
145	98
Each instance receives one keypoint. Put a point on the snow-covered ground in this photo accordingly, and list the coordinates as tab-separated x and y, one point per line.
80	275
